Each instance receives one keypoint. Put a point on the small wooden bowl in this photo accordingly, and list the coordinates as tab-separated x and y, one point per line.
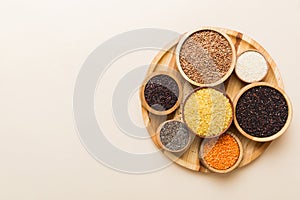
203	161
276	135
164	112
195	90
249	50
185	37
163	146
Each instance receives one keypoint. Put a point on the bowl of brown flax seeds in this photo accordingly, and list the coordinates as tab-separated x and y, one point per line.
205	57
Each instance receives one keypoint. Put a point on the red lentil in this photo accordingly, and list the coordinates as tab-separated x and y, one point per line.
221	153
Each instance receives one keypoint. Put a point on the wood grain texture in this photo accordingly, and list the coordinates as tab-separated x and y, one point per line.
190	159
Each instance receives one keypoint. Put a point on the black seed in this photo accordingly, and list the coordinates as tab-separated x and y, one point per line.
262	111
161	92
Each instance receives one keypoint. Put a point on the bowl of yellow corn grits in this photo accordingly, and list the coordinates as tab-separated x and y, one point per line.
208	112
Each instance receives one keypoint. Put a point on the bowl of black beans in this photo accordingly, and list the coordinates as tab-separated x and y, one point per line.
161	93
262	112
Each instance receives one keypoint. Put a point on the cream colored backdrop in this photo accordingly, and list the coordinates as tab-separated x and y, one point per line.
42	46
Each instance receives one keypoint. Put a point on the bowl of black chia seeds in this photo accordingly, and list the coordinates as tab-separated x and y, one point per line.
262	112
173	136
161	93
205	57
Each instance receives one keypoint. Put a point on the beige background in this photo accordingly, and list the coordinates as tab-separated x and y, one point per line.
42	47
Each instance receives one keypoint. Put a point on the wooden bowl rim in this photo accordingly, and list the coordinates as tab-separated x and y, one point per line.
245	51
160	142
179	98
186	36
283	129
160	59
203	161
219	90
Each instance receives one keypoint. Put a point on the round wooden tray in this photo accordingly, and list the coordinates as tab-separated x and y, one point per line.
166	60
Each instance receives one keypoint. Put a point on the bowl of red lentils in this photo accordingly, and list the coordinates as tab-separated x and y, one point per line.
205	57
222	154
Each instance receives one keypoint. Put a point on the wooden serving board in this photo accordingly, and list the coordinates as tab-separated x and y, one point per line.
165	60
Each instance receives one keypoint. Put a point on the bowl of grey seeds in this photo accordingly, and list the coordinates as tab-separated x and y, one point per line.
205	57
173	136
